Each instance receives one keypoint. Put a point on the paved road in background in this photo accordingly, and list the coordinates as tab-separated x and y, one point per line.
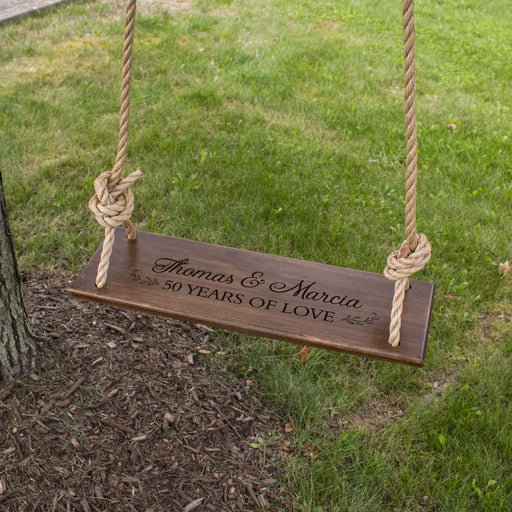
11	10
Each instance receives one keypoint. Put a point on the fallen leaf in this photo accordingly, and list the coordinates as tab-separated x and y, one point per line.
285	447
118	426
193	505
504	268
308	451
116	328
45	407
203	327
85	505
263	501
113	393
113	480
194	396
304	354
73	388
288	428
62	471
423	500
169	417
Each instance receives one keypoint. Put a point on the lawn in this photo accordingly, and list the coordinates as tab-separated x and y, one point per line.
277	126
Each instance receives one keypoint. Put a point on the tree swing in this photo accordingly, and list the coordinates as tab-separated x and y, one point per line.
324	306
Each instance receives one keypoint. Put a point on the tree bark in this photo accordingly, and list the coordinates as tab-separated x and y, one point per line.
17	343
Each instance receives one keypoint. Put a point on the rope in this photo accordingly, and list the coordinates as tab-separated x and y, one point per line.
415	250
112	203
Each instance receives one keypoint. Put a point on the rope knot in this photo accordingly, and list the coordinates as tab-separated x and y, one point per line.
112	204
404	262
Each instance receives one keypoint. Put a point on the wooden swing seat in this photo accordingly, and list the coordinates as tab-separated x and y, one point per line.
260	294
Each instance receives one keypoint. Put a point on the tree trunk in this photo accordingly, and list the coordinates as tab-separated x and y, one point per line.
17	343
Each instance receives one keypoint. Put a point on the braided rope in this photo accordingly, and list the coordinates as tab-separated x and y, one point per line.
112	203
415	250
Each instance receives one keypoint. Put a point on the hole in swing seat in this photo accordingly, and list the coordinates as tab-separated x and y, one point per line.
303	302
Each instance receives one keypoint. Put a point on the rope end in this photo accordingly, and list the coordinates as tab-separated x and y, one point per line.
131	233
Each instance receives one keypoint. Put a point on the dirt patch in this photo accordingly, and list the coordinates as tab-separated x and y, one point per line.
495	323
378	415
173	7
129	417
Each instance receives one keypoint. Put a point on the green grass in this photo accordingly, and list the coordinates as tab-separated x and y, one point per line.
277	126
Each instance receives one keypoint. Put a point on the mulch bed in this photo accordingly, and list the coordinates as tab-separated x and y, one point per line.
128	416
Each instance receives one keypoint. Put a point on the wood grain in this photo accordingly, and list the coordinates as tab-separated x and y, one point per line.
271	296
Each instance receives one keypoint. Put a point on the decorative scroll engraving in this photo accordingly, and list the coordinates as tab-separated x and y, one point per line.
148	281
357	320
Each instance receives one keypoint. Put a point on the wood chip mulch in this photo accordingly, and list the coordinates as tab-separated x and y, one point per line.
128	416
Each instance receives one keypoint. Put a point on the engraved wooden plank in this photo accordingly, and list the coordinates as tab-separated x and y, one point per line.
265	295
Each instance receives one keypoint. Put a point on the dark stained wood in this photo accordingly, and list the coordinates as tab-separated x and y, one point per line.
265	295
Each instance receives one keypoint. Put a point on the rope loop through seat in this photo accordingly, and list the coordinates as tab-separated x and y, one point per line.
112	205
400	266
